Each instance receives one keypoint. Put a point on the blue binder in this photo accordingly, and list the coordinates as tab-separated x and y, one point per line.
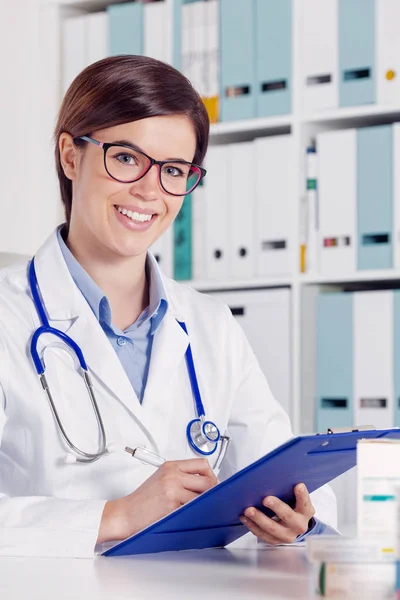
396	356
237	48
356	21
375	197
126	28
273	85
334	361
212	519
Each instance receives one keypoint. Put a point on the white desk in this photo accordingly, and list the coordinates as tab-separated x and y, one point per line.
275	573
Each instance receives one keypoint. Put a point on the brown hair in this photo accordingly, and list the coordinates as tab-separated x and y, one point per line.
121	89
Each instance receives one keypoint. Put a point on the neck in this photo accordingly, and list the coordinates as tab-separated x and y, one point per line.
122	279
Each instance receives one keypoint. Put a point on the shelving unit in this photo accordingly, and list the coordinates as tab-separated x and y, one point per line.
303	128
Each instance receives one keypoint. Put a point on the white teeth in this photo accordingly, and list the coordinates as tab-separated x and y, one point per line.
134	216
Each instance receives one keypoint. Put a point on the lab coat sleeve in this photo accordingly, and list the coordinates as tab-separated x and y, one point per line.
258	423
44	526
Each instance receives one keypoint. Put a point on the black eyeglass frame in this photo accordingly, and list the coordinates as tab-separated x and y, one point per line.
106	146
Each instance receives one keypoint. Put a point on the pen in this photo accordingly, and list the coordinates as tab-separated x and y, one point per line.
145	456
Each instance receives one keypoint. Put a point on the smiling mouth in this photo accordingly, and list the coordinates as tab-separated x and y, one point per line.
134	216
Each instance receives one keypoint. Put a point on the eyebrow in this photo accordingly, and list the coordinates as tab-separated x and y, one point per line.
136	147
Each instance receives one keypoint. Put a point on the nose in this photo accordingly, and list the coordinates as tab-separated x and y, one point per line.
148	187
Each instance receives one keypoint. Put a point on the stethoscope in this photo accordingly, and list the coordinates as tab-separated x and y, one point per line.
203	436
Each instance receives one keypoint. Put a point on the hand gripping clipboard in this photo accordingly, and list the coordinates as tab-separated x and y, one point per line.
212	519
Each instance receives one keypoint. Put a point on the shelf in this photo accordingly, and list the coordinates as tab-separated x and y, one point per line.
249	127
358	277
238	284
355	115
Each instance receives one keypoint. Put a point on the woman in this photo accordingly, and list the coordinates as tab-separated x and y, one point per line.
130	137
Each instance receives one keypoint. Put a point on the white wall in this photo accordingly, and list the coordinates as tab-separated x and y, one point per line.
29	201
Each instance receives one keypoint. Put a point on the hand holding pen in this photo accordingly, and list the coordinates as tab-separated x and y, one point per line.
173	484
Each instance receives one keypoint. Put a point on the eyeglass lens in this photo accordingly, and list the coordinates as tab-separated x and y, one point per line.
128	165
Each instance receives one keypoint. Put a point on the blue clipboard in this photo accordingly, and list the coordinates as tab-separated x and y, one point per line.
212	519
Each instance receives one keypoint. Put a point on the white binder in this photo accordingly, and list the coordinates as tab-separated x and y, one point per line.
97	33
337	183
198	20
212	47
241	210
264	316
373	358
163	251
274	157
217	208
73	48
396	195
388	52
154	24
319	43
198	234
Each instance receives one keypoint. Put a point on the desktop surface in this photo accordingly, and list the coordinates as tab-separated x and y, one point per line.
273	573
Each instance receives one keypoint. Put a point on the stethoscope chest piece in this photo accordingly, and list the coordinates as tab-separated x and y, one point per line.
203	436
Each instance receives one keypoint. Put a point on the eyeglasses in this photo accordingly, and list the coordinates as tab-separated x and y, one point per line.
127	164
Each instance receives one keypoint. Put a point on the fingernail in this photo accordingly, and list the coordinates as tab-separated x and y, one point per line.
243	520
301	488
249	512
268	502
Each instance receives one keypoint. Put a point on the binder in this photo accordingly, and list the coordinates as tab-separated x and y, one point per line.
312	244
274	199
237	60
98	42
375	197
396	195
264	316
334	361
126	28
155	25
337	184
273	72
211	99
388	52
319	40
74	48
217	208
198	233
373	358
356	20
183	241
240	214
212	519
163	252
396	358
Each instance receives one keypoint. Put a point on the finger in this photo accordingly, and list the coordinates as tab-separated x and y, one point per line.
194	483
292	519
195	466
304	504
186	496
260	533
270	527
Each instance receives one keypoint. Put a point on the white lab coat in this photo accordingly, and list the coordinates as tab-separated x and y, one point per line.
49	506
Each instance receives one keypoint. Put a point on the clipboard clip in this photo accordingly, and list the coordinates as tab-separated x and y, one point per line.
354	428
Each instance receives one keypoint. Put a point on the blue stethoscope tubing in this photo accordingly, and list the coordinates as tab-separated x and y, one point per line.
203	436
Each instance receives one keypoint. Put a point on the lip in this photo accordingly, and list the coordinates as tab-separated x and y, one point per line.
127	223
141	211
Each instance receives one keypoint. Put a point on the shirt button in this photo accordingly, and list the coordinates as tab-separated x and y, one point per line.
121	341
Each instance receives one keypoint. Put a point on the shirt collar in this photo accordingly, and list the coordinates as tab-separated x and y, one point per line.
98	301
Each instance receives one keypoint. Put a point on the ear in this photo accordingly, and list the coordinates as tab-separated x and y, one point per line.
69	155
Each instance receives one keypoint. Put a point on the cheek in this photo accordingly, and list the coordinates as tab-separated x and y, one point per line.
173	205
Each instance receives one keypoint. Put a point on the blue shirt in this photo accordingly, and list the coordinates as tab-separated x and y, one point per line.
133	346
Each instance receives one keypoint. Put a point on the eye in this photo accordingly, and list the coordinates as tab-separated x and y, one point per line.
125	158
173	171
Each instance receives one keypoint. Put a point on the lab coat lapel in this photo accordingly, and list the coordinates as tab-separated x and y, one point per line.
68	310
168	352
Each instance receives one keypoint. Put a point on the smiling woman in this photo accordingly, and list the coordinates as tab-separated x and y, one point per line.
156	368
